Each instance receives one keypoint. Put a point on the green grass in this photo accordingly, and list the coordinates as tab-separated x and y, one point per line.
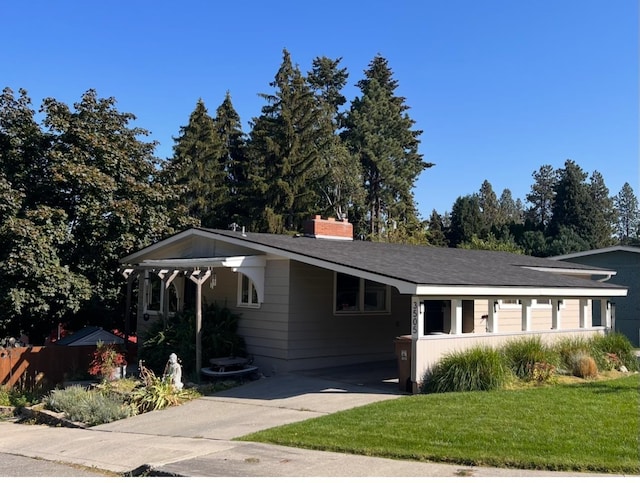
588	427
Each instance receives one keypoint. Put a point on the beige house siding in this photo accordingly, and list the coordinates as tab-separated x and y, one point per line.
430	349
318	337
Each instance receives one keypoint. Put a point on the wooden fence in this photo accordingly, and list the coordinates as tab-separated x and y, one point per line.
43	366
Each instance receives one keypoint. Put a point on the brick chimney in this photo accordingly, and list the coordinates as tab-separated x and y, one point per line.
330	228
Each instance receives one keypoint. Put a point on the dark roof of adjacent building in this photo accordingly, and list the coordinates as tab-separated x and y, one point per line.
90	336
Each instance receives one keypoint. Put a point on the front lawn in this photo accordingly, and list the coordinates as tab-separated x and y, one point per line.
592	426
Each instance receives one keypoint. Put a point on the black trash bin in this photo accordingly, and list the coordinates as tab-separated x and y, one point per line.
403	353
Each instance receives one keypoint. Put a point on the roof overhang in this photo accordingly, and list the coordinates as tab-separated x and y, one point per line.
403	286
252	266
521	292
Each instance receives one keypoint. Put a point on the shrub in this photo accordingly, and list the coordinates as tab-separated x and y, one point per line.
158	393
476	369
177	335
106	358
614	350
530	359
90	407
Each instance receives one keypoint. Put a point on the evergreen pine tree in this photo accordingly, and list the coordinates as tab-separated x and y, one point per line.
284	167
233	160
379	131
603	212
628	216
339	184
573	209
466	220
435	230
197	169
542	196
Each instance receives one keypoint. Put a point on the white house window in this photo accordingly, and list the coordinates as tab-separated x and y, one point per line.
357	295
542	303
510	304
247	295
517	303
155	296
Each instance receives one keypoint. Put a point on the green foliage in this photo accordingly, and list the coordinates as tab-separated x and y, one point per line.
90	407
379	132
587	427
466	220
79	192
159	393
285	156
475	369
177	335
491	243
628	222
197	169
609	351
12	396
613	350
530	359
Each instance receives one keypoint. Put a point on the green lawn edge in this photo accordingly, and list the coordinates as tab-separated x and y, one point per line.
586	427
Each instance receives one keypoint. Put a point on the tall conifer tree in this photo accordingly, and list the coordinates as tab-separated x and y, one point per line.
339	184
628	216
379	131
233	160
196	167
284	154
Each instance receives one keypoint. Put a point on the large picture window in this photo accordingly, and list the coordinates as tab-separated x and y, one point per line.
247	294
356	295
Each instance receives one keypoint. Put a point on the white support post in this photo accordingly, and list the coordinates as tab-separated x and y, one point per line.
526	314
199	277
605	313
492	316
417	330
585	316
130	275
456	316
556	316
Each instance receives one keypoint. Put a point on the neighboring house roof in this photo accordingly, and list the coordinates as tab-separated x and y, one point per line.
597	251
418	269
90	336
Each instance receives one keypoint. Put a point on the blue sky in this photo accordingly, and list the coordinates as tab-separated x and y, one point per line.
499	87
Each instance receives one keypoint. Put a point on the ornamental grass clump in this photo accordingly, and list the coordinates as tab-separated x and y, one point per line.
159	393
583	365
475	369
614	350
530	359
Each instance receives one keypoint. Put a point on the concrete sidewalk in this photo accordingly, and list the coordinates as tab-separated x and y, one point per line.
195	439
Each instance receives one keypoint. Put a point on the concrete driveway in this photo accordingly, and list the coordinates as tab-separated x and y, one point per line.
268	402
196	439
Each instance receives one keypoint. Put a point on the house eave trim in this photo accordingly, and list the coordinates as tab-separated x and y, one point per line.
509	292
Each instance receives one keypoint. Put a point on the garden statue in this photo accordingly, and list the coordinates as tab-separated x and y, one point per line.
174	371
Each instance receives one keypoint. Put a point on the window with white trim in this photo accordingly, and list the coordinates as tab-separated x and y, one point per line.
517	303
542	303
510	303
155	296
247	294
357	295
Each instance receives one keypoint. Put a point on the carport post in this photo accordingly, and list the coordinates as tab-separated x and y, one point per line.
199	277
417	329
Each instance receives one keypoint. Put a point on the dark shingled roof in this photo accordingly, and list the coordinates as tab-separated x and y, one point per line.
424	265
